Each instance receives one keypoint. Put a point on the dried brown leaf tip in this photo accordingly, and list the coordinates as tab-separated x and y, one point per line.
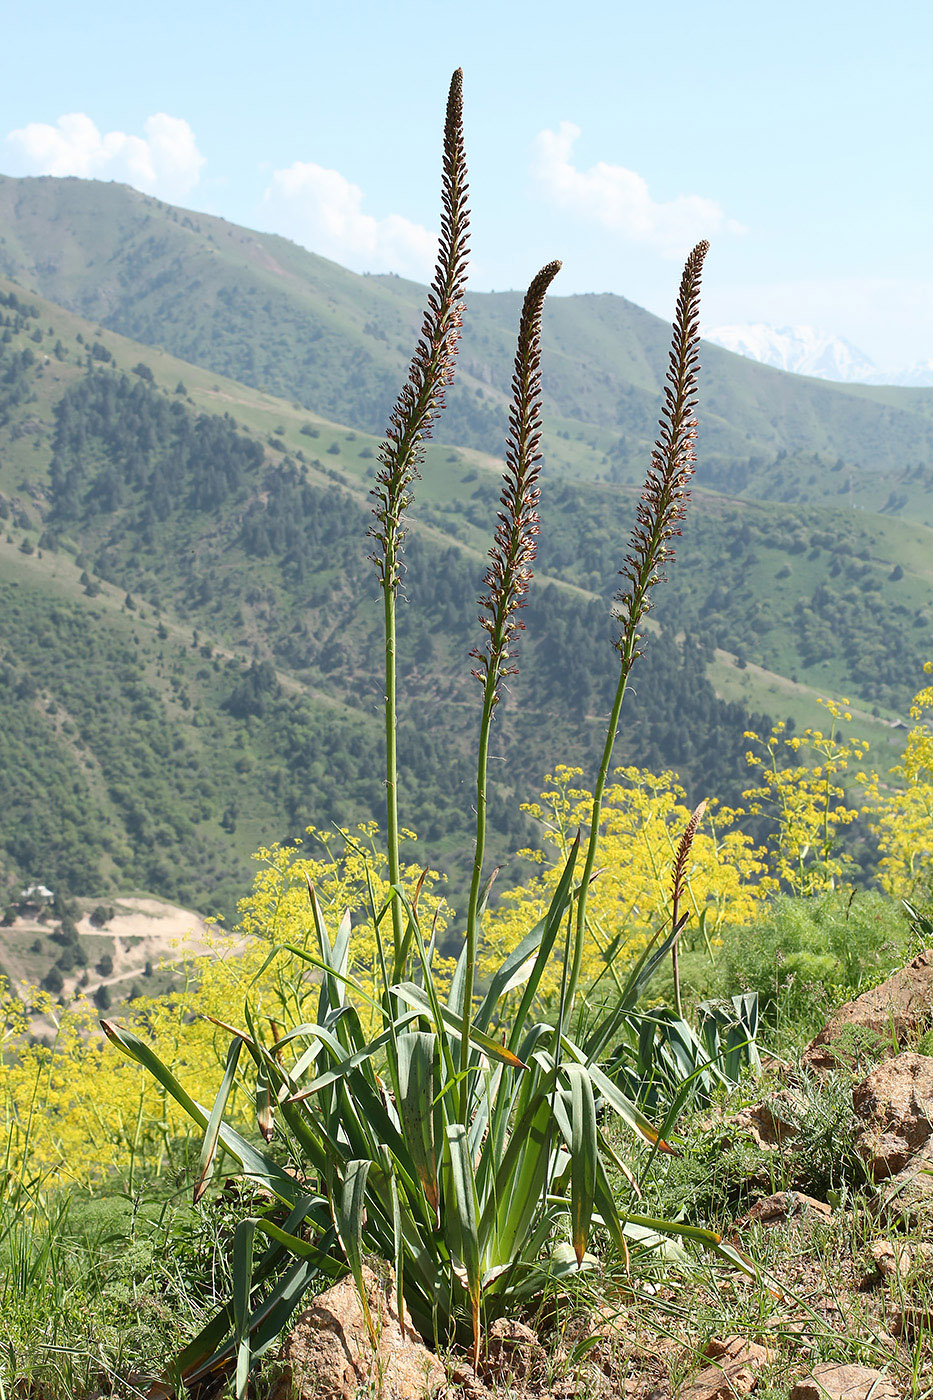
431	371
673	460
509	572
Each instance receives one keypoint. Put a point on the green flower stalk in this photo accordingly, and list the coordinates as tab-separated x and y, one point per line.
419	404
660	510
508	577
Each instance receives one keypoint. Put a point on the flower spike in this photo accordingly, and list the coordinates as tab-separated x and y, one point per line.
509	572
673	461
421	399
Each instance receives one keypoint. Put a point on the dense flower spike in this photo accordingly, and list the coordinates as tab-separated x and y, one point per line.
683	851
678	883
673	460
509	572
507	578
421	399
659	512
419	403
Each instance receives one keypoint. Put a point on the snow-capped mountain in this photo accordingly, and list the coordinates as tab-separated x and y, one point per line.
804	350
919	376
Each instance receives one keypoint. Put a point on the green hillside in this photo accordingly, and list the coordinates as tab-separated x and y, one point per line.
189	632
261	310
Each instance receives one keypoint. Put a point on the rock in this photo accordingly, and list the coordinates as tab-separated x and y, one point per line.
738	1349
831	1381
329	1355
720	1383
895	1102
778	1209
907	1198
465	1384
735	1372
897	1011
770	1124
901	1259
774	1122
512	1352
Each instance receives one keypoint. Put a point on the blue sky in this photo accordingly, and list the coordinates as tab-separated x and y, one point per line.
795	136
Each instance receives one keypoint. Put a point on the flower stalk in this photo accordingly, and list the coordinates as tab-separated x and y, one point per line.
661	508
419	404
507	580
677	892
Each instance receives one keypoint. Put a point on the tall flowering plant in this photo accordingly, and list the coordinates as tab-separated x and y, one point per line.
462	1147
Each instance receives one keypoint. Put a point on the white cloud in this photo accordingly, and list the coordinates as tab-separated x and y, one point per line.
166	161
323	211
620	200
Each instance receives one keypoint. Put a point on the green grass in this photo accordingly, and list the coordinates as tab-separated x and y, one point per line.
96	1291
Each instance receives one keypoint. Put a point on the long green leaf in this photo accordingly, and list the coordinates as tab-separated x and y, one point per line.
263	1101
266	1325
255	1164
583	1153
416	1080
430	994
552	920
610	1026
349	1213
520	1181
242	1267
708	1238
467	1211
414	996
345	1065
264	1107
212	1131
201	1351
622	1105
515	970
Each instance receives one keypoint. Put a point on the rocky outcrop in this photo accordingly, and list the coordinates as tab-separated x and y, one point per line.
902	1260
832	1381
733	1370
329	1354
773	1123
779	1209
895	1012
895	1104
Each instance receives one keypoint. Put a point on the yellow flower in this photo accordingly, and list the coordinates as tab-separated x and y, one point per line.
643	817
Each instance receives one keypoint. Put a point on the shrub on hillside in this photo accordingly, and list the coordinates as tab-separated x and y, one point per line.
53	981
805	955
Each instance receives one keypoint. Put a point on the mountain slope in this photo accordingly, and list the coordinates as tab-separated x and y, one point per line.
189	632
262	310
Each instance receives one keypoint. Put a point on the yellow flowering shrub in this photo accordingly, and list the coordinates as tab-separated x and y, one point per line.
902	816
643	817
78	1108
806	800
277	908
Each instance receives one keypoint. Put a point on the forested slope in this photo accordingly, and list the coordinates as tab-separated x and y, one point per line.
267	312
190	642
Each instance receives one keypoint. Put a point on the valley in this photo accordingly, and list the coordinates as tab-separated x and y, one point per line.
189	660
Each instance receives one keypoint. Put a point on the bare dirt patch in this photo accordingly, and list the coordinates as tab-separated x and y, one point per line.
143	933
